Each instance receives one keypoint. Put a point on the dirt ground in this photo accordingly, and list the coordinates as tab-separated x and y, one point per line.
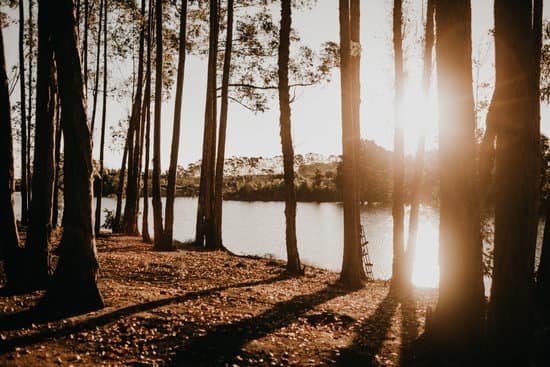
192	307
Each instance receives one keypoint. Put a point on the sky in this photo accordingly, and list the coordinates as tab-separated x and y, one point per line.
316	122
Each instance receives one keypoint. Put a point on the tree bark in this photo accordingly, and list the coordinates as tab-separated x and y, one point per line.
99	186
157	204
85	45
205	226
220	157
352	275
171	186
29	105
398	213
130	225
40	223
293	259
24	177
457	320
10	251
517	158
73	287
410	253
57	175
97	66
120	188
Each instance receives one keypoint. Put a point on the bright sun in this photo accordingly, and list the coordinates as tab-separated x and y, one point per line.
418	116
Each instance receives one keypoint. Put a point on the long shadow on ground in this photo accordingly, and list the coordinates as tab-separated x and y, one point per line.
410	330
370	336
222	343
27	318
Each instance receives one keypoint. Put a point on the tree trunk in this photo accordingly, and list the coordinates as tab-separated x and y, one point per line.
157	204
97	66
205	226
99	186
543	272
293	259
120	188
457	320
410	253
10	251
220	159
398	155
58	135
29	105
24	177
352	274
171	186
85	45
40	223
517	174
73	287
147	108
130	225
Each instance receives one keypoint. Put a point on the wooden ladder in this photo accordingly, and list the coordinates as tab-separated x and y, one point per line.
367	263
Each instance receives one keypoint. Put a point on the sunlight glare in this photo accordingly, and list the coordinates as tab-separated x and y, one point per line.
426	265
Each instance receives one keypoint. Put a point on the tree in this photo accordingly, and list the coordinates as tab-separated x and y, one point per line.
457	319
73	286
99	180
98	64
40	223
24	170
293	259
516	100
10	251
220	158
352	275
171	186
420	150
157	204
398	213
205	226
27	150
129	224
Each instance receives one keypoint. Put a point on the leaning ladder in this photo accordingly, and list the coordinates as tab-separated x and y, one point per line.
367	263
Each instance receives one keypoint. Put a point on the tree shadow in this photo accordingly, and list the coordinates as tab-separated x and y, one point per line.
370	336
410	330
32	316
222	343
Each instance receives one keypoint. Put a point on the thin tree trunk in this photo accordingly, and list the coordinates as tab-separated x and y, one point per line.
99	187
40	223
157	204
205	227
57	175
147	107
420	150
85	45
29	104
398	154
457	320
120	188
293	259
73	287
10	251
218	184
130	225
171	187
517	56
352	274
97	66
24	177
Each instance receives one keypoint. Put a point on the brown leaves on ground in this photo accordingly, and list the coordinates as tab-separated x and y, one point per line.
193	307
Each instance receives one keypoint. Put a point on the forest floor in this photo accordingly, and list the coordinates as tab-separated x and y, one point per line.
192	307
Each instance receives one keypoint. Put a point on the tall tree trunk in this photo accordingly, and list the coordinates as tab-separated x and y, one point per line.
398	154
40	223
85	45
157	204
205	226
130	225
73	287
120	188
97	66
293	259
99	186
29	103
147	115
57	174
457	320
517	174
171	187
10	251
352	274
220	157
24	177
420	150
